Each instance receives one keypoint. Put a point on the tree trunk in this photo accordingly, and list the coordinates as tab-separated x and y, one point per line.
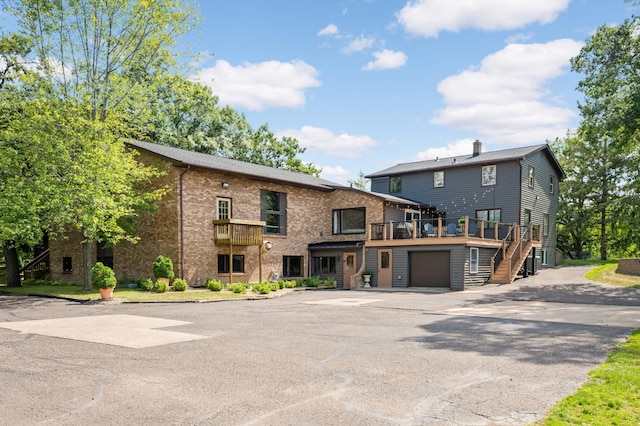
86	264
12	264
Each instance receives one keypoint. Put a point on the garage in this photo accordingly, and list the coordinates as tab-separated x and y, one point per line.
429	268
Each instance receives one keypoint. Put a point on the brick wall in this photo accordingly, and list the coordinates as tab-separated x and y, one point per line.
629	267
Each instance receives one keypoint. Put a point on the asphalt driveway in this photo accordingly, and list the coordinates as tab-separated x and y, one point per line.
495	355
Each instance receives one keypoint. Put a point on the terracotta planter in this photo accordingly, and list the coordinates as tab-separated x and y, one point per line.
106	293
165	280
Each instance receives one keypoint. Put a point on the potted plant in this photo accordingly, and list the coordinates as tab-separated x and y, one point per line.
104	279
163	269
366	276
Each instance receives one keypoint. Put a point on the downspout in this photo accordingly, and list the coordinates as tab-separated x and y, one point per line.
182	222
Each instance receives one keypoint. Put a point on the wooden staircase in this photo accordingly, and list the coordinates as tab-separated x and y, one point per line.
510	257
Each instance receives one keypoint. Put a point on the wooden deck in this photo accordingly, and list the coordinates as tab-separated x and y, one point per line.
235	232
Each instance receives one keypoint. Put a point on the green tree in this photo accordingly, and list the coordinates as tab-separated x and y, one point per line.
101	59
610	126
360	183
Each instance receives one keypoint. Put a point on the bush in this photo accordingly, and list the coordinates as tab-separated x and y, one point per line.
312	282
29	281
262	288
329	282
238	287
102	276
163	267
161	286
180	285
214	285
281	283
275	286
146	284
290	284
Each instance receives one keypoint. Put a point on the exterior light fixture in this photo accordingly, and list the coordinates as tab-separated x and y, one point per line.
225	185
268	245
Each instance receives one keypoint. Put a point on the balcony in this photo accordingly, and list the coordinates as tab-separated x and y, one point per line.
448	231
235	232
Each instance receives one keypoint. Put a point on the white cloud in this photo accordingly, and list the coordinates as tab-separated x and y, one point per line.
428	18
359	44
386	59
328	171
505	99
327	142
258	86
330	29
459	147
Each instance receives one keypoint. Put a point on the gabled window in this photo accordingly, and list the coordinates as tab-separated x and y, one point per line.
273	211
531	178
474	255
349	221
552	185
395	184
224	208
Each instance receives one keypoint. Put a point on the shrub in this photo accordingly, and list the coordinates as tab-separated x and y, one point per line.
281	283
290	284
29	281
238	287
214	285
180	285
146	284
102	276
163	267
275	286
329	282
312	282
262	288
161	286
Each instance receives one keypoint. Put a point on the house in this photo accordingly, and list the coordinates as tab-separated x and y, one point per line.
237	221
492	213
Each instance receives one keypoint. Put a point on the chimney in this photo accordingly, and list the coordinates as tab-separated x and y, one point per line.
477	148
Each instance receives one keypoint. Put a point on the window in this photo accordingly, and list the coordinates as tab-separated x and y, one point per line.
384	260
105	254
224	208
531	177
489	217
527	217
395	184
438	179
67	265
292	266
411	215
545	257
273	210
552	185
349	221
488	175
324	265
223	263
474	254
545	225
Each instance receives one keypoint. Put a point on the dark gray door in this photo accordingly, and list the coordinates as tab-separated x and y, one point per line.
429	268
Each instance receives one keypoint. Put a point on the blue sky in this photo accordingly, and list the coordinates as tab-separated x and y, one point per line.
365	84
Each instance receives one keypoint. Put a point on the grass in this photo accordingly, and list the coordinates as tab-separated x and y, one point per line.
611	395
132	295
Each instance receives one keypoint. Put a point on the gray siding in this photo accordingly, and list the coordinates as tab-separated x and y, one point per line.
484	267
539	200
401	264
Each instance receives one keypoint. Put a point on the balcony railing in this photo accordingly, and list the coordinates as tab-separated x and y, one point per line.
465	227
238	232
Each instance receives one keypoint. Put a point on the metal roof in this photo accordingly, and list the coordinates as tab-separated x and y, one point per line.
226	165
467	160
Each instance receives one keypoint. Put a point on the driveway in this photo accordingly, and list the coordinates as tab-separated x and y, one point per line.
490	356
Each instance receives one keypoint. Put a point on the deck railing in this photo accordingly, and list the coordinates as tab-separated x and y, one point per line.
238	232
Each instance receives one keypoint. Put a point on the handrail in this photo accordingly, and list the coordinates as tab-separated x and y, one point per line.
39	258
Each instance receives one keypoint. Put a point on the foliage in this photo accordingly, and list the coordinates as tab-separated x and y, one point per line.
262	288
214	285
360	183
329	282
238	287
102	276
367	272
146	284
610	396
312	281
275	286
180	285
290	284
163	267
161	286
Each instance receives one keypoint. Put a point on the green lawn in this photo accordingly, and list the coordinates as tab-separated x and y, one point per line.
611	395
132	295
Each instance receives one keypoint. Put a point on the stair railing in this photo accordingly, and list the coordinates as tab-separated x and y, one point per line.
39	264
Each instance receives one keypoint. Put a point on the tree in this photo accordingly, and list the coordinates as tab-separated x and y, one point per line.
100	59
360	183
610	126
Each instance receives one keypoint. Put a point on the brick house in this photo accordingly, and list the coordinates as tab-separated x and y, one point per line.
237	221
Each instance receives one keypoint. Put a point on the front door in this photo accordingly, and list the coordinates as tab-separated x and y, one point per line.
384	268
348	268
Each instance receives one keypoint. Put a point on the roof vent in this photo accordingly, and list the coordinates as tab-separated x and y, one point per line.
477	148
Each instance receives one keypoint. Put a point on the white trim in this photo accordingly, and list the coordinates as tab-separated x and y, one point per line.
473	263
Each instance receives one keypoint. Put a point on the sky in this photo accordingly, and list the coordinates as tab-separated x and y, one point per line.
366	84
